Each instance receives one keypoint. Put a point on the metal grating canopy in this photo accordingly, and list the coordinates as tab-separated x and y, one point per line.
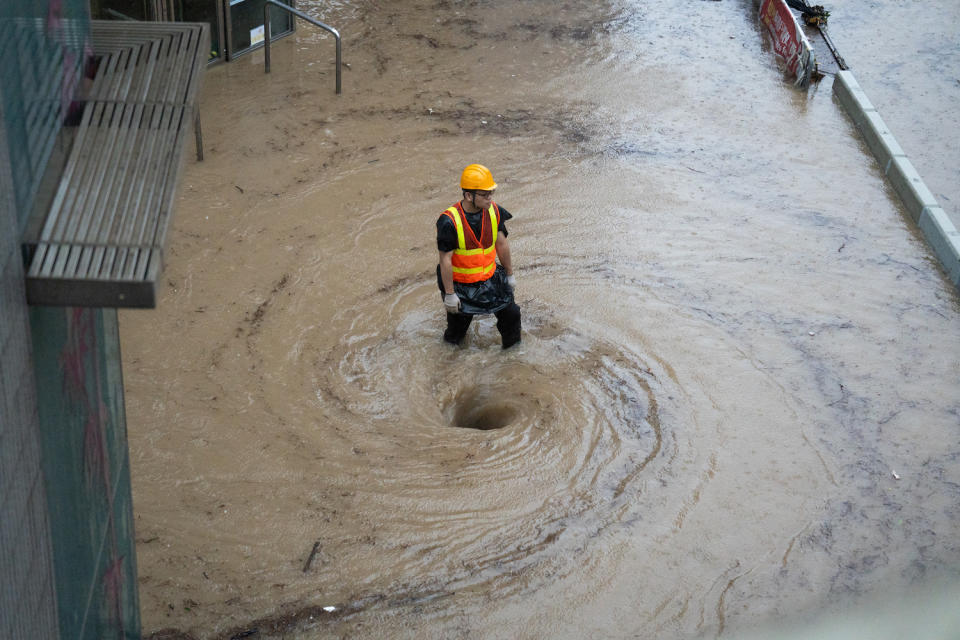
102	242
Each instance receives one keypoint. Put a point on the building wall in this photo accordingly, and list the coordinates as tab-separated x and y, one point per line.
66	519
42	51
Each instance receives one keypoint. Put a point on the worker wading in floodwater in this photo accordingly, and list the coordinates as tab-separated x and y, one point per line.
471	235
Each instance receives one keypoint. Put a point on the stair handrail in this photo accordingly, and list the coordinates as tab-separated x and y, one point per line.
299	14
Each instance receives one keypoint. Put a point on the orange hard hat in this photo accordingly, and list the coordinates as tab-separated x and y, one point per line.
477	177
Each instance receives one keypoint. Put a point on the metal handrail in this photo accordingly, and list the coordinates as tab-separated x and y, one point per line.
299	14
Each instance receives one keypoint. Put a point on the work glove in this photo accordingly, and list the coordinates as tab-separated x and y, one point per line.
451	302
511	282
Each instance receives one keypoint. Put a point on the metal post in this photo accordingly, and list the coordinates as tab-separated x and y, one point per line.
199	134
339	63
266	34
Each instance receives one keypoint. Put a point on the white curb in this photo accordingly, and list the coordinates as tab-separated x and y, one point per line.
937	228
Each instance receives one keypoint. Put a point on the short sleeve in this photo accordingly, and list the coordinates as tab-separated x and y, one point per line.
504	216
446	234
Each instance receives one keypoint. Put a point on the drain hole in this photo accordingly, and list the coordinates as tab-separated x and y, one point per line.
483	415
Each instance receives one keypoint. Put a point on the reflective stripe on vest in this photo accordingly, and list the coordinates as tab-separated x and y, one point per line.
472	262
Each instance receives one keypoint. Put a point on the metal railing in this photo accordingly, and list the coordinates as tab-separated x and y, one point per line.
299	14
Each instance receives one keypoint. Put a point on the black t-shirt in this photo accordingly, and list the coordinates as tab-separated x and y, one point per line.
447	232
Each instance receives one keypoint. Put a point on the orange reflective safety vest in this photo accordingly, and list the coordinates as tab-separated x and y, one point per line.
474	260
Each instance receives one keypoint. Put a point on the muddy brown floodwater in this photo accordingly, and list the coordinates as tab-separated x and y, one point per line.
733	339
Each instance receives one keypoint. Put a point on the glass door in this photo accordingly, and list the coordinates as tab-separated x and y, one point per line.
245	30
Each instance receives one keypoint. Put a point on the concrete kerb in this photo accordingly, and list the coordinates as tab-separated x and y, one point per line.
944	238
937	228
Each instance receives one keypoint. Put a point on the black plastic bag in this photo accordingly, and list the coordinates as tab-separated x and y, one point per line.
478	298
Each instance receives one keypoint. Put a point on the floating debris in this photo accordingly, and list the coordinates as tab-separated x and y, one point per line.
313	552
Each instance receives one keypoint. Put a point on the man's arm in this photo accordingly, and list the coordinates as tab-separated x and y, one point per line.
446	271
503	252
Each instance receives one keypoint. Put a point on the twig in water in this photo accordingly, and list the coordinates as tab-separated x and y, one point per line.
313	552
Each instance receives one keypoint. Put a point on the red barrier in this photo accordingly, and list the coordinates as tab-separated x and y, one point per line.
789	41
